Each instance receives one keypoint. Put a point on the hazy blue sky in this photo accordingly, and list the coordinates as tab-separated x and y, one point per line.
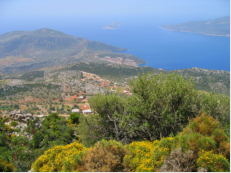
35	14
22	8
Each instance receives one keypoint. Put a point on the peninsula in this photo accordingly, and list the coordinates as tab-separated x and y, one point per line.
215	27
22	51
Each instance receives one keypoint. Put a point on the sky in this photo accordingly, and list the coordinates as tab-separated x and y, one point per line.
42	8
32	14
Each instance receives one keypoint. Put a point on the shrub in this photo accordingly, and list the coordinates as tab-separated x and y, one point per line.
13	123
202	134
179	162
74	117
213	162
60	158
105	156
205	133
145	156
5	166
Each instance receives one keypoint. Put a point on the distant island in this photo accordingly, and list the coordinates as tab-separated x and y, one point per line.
216	27
114	25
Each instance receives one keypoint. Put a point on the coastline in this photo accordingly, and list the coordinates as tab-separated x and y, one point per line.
195	32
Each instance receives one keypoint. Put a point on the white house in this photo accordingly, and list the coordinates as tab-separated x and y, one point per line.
40	116
87	111
75	110
80	97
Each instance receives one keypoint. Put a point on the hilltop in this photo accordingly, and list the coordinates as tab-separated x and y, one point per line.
216	27
22	51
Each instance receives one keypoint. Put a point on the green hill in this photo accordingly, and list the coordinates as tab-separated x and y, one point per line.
208	80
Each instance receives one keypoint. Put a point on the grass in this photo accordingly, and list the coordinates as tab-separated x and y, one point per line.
108	88
120	90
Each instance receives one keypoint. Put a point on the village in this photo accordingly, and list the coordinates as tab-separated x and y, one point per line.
78	103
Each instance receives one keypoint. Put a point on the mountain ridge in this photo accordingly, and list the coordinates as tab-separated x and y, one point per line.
47	46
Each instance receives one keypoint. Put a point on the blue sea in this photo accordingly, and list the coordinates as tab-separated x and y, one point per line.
160	48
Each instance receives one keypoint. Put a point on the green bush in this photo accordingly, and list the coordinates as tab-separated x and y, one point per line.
13	123
5	166
74	117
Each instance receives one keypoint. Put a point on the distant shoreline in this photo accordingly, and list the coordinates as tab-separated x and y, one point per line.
195	32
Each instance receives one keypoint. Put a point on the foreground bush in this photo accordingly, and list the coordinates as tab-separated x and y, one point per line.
60	159
213	162
160	105
5	166
179	162
202	136
105	156
202	146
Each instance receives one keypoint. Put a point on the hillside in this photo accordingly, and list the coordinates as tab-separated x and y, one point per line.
22	51
208	80
216	27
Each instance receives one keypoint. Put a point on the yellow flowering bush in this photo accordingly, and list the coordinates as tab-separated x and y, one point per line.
147	156
202	134
213	162
60	158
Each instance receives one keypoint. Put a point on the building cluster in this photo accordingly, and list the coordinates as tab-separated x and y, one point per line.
117	60
85	109
120	60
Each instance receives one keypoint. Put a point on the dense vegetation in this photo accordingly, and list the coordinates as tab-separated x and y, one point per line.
30	76
19	152
160	105
111	70
12	90
202	146
166	125
208	80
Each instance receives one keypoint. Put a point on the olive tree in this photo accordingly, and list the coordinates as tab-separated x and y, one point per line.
110	119
161	104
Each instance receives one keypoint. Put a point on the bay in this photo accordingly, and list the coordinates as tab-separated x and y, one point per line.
164	49
160	48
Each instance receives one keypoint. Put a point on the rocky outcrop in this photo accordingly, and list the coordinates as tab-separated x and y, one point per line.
18	116
22	122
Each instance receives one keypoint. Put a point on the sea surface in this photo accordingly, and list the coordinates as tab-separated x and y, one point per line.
160	48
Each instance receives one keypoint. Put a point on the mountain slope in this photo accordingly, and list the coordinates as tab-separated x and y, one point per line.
47	48
208	80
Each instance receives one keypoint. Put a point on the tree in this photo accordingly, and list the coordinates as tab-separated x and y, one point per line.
109	121
161	104
75	118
